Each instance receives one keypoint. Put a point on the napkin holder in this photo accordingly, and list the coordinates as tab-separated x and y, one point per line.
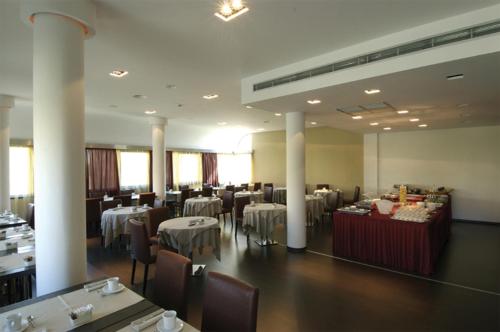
81	315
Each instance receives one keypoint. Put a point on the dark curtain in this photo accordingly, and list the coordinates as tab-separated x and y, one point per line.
101	172
169	170
209	167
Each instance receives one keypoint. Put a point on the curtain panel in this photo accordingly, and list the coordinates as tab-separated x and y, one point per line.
169	169
101	172
209	167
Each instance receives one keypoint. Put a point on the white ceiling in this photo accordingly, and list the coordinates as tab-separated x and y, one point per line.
180	42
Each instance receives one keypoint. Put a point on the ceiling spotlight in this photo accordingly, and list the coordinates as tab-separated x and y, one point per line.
373	123
423	125
277	114
357	117
231	9
222	123
462	105
387	128
414	120
211	96
118	73
149	112
140	96
372	91
314	123
314	101
248	107
403	112
171	86
454	77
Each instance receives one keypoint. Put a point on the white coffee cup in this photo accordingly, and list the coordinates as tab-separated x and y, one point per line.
169	318
145	206
119	205
113	283
200	196
14	321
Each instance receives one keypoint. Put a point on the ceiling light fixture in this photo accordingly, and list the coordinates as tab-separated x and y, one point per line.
314	123
314	101
387	128
454	77
231	9
423	125
222	123
211	96
277	114
372	91
373	123
403	112
171	86
118	73
140	96
149	112
248	107
414	120
462	105
357	117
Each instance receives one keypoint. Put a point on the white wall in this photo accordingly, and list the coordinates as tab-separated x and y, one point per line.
466	159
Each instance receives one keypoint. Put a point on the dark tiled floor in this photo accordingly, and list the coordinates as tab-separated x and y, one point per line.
312	292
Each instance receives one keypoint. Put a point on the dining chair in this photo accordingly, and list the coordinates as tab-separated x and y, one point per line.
207	191
244	185
30	214
183	187
147	198
268	185
126	199
257	186
239	206
127	192
230	188
229	304
171	283
321	186
332	200
268	194
185	194
238	189
206	185
195	193
154	218
106	205
227	206
140	249
92	215
355	197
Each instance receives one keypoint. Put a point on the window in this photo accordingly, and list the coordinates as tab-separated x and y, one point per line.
21	171
187	168
134	170
235	168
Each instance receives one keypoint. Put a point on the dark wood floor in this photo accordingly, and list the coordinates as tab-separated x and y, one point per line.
314	292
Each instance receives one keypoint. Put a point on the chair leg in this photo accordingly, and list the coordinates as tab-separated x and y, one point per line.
146	268
236	229
231	214
134	262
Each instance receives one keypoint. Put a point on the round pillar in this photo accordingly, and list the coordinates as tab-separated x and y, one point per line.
158	139
295	182
6	103
60	28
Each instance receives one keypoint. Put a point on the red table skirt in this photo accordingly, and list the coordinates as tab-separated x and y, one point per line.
399	245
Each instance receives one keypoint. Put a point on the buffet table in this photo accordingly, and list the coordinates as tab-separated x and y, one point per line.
400	245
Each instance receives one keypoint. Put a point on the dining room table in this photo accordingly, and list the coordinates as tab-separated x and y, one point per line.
255	196
114	221
279	195
325	192
315	208
9	219
186	234
263	218
202	206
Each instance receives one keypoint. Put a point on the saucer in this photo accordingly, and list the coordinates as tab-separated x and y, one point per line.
24	326
179	324
106	291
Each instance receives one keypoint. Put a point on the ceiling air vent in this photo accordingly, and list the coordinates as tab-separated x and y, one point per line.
415	46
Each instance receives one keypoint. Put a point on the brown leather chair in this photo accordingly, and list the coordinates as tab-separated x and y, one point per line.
229	304
126	199
140	250
239	206
156	217
244	185
227	205
355	197
127	192
93	215
257	186
183	187
238	189
171	283
185	194
321	186
194	193
147	198
230	188
332	200
268	185
207	191
30	214
268	194
106	205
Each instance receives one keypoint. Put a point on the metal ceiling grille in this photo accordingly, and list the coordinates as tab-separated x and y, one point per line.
436	41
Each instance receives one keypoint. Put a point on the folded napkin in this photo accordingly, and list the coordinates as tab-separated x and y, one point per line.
146	321
95	285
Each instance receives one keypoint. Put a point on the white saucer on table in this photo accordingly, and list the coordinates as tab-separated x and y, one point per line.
179	324
106	291
24	326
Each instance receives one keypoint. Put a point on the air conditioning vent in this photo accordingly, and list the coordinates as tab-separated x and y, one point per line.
415	46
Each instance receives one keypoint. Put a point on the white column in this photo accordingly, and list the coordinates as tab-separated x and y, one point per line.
60	28
6	103
295	182
158	135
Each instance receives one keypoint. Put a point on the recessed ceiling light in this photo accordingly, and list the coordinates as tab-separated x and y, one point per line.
248	107
314	101
357	117
259	129
277	114
118	73
231	9
372	91
454	77
414	120
180	105
171	86
462	105
423	125
211	96
373	123
403	112
140	96
314	123
150	111
222	123
387	128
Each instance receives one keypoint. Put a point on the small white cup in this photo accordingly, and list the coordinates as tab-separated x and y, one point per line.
252	203
200	196
113	283
119	205
145	206
14	321
169	318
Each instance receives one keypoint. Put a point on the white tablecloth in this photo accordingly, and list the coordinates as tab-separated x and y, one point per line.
325	193
6	220
115	221
256	196
315	207
152	328
177	233
52	314
15	261
279	195
204	206
264	217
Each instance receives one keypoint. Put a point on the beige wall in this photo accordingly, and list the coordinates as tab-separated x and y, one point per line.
332	156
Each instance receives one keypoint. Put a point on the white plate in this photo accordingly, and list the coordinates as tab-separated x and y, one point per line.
106	291
179	324
24	326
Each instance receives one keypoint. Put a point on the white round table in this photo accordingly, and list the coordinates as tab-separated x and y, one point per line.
263	217
202	206
315	207
115	221
325	192
255	196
